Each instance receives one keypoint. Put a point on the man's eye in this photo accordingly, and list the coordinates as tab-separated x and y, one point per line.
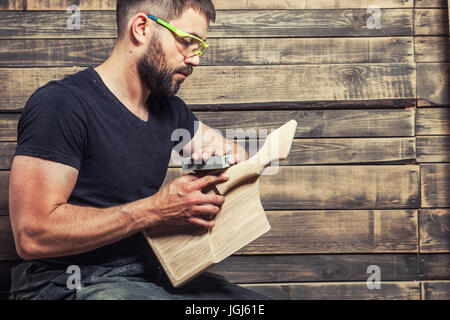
186	41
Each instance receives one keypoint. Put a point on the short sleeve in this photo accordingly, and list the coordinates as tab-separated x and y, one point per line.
53	126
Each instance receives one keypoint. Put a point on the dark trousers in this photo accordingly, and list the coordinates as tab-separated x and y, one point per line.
137	277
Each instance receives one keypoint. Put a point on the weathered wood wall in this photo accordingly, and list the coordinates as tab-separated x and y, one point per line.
368	178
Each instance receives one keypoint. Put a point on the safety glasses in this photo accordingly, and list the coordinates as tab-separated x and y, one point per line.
192	45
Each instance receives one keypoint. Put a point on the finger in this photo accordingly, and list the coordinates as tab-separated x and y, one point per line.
205	209
202	222
211	199
205	181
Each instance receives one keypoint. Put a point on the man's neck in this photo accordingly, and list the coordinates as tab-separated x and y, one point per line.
119	73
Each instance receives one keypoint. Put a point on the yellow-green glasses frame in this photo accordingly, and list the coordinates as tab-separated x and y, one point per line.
202	45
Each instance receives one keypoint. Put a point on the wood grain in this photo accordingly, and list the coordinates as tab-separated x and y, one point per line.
317	267
433	149
434	266
313	232
338	232
433	121
431	22
7	249
436	290
223	51
250	84
230	23
404	290
433	84
432	49
312	123
435	185
338	187
434	230
219	5
431	3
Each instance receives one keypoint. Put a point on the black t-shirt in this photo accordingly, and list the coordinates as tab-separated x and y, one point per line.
79	122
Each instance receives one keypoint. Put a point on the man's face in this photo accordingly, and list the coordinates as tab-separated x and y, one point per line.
164	66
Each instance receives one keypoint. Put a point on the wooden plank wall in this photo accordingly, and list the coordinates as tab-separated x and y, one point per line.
367	181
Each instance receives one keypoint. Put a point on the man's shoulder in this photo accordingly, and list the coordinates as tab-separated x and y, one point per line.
67	89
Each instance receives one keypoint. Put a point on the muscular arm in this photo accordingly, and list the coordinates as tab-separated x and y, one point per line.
45	225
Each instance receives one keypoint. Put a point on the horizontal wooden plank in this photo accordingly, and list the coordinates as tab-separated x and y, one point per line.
306	151
8	126
435	185
220	5
87	52
436	290
434	266
433	121
405	290
311	123
433	149
250	84
432	49
229	23
321	232
337	187
311	268
4	193
319	123
431	3
433	84
349	231
431	22
7	249
434	230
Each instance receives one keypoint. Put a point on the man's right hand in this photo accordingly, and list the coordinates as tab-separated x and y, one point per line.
183	200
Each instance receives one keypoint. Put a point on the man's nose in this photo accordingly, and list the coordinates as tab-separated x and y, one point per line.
194	60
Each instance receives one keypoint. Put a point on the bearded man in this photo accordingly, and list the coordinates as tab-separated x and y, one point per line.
92	154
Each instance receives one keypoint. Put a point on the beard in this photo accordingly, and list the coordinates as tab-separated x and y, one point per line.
155	72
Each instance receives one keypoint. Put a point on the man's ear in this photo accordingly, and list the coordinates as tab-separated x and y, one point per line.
139	28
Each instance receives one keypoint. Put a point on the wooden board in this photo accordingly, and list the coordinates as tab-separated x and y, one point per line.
428	22
319	151
431	3
433	121
249	84
327	151
220	5
7	248
436	290
433	149
404	290
434	266
432	49
338	187
433	90
311	123
338	231
434	230
229	23
435	185
316	267
223	51
185	252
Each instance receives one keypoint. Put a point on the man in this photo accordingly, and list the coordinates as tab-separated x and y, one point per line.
93	151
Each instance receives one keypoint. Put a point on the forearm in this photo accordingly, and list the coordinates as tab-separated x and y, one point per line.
71	229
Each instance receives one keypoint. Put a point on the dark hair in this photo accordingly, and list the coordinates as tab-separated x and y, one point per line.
165	9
